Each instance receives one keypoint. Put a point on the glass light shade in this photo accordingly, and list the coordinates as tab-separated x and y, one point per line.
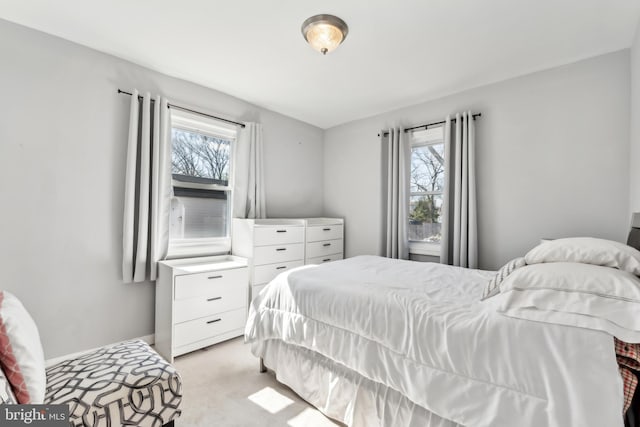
324	32
324	37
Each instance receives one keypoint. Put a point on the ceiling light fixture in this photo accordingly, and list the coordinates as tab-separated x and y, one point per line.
324	32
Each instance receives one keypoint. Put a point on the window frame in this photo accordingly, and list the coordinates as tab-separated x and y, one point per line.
417	247
189	122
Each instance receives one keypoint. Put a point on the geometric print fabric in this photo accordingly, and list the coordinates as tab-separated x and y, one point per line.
125	384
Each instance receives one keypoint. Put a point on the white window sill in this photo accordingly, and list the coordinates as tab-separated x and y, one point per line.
198	247
423	248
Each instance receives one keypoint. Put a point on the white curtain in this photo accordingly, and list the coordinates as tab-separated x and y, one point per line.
397	155
459	245
248	187
148	191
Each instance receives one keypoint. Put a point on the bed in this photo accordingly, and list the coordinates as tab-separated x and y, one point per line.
372	341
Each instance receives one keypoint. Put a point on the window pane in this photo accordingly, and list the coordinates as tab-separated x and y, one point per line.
198	217
427	168
425	219
200	156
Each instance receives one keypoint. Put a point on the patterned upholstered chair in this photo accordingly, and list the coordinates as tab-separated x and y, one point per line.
127	384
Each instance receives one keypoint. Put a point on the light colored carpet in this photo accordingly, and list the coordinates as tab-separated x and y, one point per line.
222	387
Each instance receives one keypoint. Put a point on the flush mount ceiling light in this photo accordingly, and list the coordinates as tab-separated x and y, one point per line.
324	32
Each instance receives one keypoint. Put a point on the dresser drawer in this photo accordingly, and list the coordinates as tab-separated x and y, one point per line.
278	235
326	258
325	247
278	253
263	274
324	232
205	284
221	298
207	327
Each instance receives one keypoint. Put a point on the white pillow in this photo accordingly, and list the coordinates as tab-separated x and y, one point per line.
22	358
587	250
493	286
6	393
573	294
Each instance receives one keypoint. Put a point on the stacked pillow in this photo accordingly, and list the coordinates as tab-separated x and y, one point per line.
583	282
21	355
493	287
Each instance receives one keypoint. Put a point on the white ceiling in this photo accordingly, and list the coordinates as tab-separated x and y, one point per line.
397	53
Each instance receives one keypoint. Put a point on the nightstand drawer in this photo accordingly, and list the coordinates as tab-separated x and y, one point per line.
278	253
263	274
207	327
326	247
222	298
278	235
324	232
326	258
207	284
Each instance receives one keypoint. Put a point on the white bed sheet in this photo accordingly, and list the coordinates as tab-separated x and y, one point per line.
418	328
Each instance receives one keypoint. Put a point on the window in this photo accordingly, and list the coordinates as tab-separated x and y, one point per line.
427	184
201	165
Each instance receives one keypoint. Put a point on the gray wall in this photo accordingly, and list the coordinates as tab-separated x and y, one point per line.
634	158
63	135
552	159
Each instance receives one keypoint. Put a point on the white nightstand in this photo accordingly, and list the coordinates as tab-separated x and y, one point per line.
199	302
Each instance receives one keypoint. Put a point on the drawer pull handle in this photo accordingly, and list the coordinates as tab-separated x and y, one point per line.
326	229
327	244
281	249
214	277
214	298
326	260
281	267
213	321
281	231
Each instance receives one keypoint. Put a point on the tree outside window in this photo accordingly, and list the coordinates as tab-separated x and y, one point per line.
426	186
201	156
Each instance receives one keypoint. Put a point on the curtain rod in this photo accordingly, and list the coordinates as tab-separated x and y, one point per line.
190	110
431	124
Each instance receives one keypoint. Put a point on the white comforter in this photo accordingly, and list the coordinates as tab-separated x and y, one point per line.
419	329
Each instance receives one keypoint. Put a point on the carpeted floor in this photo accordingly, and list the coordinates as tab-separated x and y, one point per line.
223	388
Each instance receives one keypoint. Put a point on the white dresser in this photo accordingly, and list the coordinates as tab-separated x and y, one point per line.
199	302
324	240
276	245
271	245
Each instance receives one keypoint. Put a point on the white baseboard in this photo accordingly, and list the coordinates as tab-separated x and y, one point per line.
149	339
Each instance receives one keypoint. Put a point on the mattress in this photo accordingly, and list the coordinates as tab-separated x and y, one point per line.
419	329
